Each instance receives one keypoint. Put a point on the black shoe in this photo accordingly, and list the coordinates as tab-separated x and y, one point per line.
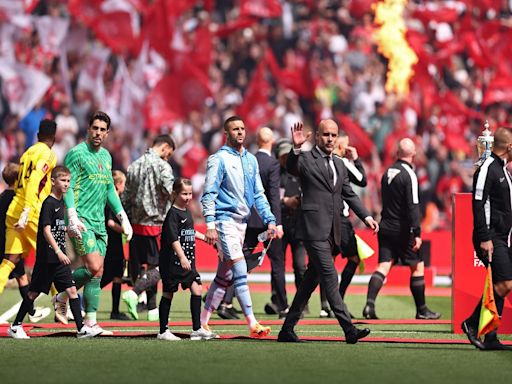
491	343
119	316
356	334
289	337
271	309
326	313
369	312
234	312
427	314
225	313
282	314
472	334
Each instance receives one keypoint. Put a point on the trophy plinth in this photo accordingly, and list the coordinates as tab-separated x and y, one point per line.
484	144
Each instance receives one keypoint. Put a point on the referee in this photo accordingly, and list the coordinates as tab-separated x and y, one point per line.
400	233
492	229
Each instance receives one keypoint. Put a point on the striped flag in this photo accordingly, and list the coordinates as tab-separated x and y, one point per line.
489	318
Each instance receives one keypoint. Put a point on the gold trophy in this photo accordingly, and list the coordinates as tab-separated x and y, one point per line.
484	144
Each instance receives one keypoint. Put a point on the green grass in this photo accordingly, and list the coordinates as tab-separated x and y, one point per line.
147	360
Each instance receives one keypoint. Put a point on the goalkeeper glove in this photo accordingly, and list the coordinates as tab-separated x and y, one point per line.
125	224
75	226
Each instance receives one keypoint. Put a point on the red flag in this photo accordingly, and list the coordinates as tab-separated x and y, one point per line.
358	136
452	104
202	48
160	22
477	49
489	318
440	14
358	8
297	79
176	95
227	29
498	91
255	109
112	25
261	8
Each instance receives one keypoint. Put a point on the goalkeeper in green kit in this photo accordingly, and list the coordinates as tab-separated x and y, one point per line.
92	187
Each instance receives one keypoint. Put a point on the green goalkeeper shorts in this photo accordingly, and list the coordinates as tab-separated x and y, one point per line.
91	242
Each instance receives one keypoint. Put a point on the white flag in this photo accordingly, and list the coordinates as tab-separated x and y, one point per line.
113	94
7	41
51	31
91	76
22	86
132	108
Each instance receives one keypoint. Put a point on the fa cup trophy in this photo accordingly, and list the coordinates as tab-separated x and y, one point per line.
484	144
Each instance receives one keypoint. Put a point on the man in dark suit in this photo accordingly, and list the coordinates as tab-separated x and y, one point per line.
270	178
325	185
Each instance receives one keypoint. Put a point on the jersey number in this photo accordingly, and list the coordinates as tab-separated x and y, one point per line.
28	172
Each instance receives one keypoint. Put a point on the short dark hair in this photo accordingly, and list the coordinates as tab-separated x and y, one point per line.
10	173
47	129
164	139
231	119
100	115
60	170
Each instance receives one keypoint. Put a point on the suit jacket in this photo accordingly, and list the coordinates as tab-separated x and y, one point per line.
322	202
270	178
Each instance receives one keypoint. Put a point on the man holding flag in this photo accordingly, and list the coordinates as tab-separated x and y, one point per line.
492	232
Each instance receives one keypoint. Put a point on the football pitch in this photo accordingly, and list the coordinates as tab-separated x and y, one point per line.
407	352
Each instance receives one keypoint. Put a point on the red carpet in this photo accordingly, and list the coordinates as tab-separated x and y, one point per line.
155	324
395	340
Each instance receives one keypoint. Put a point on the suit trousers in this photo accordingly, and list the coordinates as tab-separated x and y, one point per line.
276	257
321	270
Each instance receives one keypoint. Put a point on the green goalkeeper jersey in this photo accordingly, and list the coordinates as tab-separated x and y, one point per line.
92	186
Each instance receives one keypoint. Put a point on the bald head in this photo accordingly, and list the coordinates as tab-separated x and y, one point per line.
327	123
406	148
326	135
265	138
502	138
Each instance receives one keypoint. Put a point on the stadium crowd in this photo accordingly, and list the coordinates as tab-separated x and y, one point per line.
273	64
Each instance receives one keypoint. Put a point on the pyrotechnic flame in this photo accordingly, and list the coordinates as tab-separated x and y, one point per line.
390	37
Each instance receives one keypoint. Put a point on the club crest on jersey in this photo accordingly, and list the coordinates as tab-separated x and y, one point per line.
100	167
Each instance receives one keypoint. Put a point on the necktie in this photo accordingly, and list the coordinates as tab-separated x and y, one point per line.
329	170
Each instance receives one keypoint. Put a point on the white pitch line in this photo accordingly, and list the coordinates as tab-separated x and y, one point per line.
6	316
11	312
